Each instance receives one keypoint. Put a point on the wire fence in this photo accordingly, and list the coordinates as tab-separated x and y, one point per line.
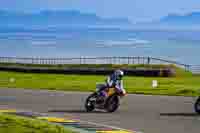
96	60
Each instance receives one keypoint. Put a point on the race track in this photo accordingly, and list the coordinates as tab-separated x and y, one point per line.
148	114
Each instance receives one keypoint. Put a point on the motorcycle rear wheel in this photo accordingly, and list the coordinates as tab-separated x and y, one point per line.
90	105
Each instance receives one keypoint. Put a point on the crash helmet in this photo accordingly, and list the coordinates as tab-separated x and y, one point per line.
119	74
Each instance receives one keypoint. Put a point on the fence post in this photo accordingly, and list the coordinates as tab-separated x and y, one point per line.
133	62
187	67
128	60
148	60
83	60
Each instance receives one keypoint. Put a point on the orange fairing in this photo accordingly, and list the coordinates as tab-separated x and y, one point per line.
111	91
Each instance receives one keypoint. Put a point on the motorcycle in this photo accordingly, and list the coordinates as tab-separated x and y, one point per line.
197	106
110	103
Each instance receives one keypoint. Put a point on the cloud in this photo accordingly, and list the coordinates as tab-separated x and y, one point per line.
136	10
123	43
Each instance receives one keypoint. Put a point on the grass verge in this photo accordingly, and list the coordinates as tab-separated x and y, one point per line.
184	84
17	124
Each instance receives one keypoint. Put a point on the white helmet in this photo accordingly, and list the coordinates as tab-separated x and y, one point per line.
119	74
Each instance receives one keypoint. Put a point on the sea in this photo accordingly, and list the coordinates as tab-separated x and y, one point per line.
177	45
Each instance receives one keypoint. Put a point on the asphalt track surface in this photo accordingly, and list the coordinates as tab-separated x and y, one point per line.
148	114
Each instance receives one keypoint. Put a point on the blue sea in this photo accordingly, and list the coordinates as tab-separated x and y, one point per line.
181	46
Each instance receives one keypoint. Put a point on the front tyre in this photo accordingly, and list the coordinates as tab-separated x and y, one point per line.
112	103
90	102
197	106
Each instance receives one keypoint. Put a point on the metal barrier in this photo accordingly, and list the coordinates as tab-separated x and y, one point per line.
195	69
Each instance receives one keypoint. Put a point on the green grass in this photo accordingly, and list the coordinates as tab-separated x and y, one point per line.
150	66
17	124
184	84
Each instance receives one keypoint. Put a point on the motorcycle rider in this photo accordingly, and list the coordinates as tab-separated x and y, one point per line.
113	81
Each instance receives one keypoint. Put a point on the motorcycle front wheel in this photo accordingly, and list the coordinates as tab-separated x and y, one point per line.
112	103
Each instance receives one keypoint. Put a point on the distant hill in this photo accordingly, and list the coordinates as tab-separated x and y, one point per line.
58	18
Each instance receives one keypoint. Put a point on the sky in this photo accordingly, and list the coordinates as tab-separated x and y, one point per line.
134	10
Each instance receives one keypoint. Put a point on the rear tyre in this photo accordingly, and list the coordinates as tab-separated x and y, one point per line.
197	106
90	103
112	103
